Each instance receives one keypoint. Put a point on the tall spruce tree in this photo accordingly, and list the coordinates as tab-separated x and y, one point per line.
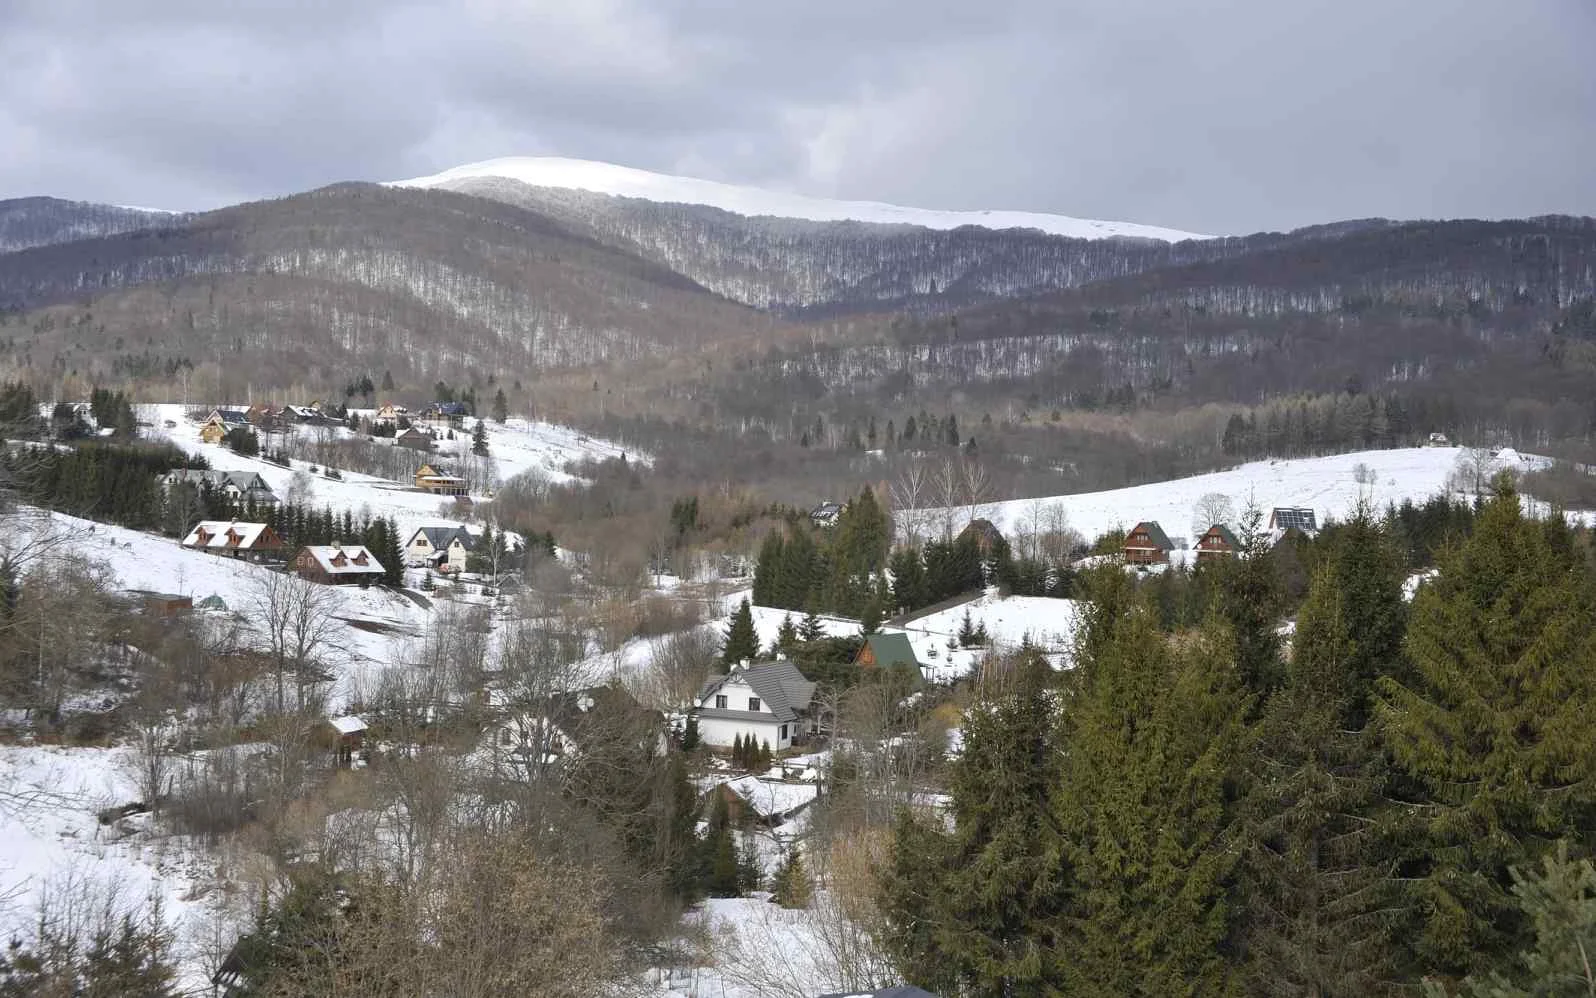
1155	740
1249	600
1319	899
989	889
741	640
1492	732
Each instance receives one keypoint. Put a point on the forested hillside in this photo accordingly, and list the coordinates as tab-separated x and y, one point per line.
816	269
428	284
28	222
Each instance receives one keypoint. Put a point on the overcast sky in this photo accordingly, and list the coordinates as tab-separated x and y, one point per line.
1214	117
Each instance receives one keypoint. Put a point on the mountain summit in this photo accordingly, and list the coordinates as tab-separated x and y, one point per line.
754	202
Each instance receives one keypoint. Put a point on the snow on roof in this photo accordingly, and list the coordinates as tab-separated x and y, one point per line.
773	797
328	557
621	181
216	534
348	725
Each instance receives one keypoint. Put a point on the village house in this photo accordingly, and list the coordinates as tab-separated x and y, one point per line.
1439	440
883	651
239	487
530	739
390	413
827	513
767	704
765	802
1215	543
1147	544
987	535
338	565
1293	517
164	604
415	438
348	737
216	426
439	482
252	541
451	414
443	549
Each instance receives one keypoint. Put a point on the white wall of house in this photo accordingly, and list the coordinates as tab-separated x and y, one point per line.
723	732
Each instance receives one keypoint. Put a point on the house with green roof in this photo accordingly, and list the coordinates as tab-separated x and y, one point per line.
886	650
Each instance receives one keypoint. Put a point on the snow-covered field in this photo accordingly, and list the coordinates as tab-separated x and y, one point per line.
1325	484
621	181
54	845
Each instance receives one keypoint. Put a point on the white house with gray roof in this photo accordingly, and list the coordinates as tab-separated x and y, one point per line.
442	548
768	703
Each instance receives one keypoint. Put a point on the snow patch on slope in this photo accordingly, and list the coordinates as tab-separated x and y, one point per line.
621	181
1329	486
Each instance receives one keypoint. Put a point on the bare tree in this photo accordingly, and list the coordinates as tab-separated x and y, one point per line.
1472	472
1211	509
678	666
910	493
295	616
975	488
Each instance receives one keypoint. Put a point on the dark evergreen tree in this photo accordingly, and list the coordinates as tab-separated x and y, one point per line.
1154	740
786	637
1559	901
791	885
479	439
741	640
501	407
908	580
870	619
811	629
988	896
1249	601
1321	906
1492	731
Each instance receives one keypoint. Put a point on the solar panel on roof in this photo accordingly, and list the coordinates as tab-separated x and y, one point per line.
1302	519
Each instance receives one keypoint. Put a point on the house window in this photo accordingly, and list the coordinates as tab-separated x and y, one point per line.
783	735
720	701
753	703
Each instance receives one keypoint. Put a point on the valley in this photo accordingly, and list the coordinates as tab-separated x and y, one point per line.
711	581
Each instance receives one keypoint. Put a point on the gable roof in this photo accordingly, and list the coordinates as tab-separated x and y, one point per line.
1155	534
234	417
779	685
892	649
247	482
216	531
429	472
1224	535
442	537
348	724
326	556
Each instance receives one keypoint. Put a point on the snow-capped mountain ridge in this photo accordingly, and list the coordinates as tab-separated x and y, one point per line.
754	202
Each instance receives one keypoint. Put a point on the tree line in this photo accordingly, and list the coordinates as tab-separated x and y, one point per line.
1217	811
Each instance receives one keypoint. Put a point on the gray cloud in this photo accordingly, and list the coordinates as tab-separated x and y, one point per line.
1225	117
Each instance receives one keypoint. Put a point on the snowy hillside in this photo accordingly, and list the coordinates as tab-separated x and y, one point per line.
375	625
621	181
1327	485
518	447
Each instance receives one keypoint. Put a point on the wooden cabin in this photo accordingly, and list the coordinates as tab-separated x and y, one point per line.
1147	544
1216	542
